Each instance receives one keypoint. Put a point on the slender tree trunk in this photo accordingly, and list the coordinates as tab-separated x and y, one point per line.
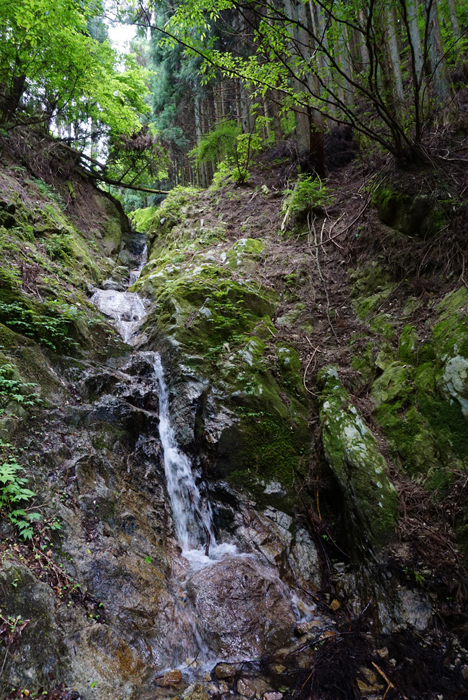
245	104
317	141
301	113
325	61
394	52
412	10
345	60
362	42
454	18
436	55
277	118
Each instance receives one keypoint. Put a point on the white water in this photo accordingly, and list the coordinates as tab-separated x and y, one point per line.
192	514
125	308
135	274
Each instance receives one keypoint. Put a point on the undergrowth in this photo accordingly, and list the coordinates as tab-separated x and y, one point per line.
12	389
15	497
50	328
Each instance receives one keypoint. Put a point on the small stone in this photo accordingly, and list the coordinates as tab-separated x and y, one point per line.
207	677
245	688
197	691
223	687
304	627
383	653
327	633
273	696
225	671
170	678
464	671
393	662
335	605
278	669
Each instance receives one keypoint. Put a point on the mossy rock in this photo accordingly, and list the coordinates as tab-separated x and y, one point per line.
244	253
261	449
408	346
371	286
393	383
418	215
363	363
371	501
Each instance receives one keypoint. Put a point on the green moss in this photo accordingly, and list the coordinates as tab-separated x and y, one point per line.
371	502
290	365
385	357
369	280
424	379
244	253
261	449
453	302
447	422
371	287
394	383
160	222
382	325
290	317
364	364
412	215
408	345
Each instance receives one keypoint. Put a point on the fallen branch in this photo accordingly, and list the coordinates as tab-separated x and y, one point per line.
387	680
117	183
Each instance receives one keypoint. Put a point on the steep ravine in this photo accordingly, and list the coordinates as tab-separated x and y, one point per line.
198	554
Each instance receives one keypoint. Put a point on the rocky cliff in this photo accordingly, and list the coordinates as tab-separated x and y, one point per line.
321	404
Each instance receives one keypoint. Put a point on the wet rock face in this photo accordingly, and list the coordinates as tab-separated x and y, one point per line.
241	608
42	652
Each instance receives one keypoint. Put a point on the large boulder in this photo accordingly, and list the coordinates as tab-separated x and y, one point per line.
369	497
241	608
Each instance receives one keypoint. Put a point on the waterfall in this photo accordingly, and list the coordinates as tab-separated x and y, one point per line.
127	309
135	274
192	514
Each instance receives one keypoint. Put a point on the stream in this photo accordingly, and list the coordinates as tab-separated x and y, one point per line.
229	593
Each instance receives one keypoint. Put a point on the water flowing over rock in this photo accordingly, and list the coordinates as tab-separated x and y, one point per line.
242	608
195	493
192	514
125	308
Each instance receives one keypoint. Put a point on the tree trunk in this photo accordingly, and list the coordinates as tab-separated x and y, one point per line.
13	98
362	42
454	18
345	60
317	141
276	117
322	41
301	112
436	55
245	104
415	36
394	52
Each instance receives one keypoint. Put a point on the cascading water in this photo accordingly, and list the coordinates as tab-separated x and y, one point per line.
127	309
135	274
192	516
193	523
